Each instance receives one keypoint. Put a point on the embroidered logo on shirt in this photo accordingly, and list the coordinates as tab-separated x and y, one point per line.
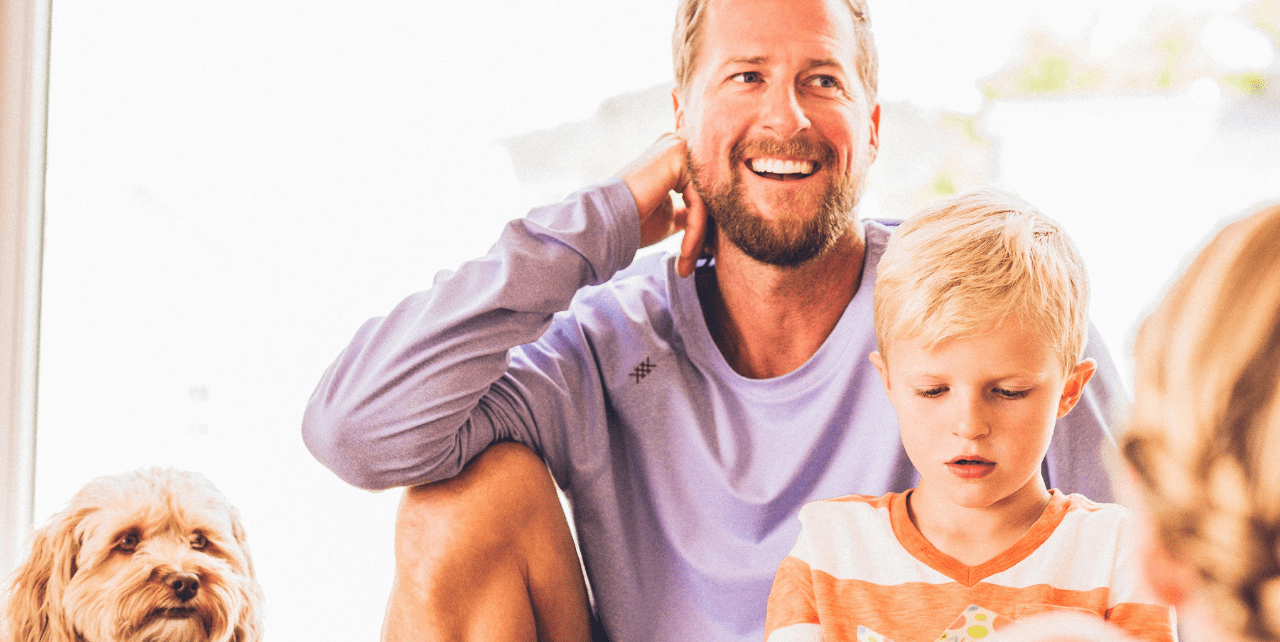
641	371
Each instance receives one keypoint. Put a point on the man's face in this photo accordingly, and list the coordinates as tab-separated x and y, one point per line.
778	128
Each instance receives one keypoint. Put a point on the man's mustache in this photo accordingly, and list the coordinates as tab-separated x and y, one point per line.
800	148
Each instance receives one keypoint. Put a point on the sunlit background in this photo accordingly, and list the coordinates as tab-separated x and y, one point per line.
234	187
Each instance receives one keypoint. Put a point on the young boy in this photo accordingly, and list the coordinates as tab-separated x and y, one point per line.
980	313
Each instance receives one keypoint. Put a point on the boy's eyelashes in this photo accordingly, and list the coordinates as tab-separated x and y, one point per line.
1003	393
1011	394
930	393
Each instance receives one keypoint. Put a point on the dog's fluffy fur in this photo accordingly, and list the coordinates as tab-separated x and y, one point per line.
148	556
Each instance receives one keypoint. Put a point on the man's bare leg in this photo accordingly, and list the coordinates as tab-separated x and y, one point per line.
487	555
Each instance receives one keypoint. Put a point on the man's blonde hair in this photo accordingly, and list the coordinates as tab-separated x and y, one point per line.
686	42
965	264
1204	431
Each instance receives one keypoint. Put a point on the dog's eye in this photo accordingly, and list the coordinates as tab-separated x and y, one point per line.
198	541
128	542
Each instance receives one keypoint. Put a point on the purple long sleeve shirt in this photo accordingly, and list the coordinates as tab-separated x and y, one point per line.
685	477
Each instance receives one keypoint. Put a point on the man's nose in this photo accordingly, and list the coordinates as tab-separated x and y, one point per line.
783	113
971	419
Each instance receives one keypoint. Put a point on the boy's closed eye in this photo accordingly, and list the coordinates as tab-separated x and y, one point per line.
1002	392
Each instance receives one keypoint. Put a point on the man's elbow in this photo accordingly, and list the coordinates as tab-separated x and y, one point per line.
345	446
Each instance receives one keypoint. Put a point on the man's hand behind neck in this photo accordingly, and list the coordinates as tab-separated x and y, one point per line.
767	320
651	178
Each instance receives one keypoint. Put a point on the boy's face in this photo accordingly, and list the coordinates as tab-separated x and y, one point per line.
977	413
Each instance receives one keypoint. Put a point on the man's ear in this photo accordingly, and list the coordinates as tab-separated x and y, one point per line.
679	110
1074	385
882	367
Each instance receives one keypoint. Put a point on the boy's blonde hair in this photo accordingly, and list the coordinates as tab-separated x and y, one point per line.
965	264
1204	431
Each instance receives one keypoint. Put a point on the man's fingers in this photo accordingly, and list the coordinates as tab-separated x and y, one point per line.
651	177
658	223
695	232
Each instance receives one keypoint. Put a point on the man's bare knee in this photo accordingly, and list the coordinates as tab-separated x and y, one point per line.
506	482
494	536
479	517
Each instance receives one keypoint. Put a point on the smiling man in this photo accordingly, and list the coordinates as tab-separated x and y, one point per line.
687	419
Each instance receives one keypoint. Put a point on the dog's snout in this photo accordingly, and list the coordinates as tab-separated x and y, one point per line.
184	585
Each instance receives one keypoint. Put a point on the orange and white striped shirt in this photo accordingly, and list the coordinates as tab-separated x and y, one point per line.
859	561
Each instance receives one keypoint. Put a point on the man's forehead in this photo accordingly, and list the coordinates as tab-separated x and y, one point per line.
761	30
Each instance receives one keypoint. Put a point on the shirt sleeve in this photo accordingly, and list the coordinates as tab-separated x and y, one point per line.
792	611
1131	606
1082	442
418	393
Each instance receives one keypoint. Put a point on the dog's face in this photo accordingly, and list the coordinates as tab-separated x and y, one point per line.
154	555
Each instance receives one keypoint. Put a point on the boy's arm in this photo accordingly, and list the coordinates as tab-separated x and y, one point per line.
421	391
1076	461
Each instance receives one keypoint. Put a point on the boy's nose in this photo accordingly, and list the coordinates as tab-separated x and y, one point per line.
971	422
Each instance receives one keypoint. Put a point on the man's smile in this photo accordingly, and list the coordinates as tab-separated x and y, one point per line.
781	168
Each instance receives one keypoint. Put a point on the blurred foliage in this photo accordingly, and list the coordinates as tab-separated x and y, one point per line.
944	184
926	154
966	124
1050	74
1249	84
1166	55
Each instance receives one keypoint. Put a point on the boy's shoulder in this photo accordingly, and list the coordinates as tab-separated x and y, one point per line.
846	507
1089	519
1085	507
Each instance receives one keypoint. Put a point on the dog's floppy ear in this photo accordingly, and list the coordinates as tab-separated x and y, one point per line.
33	610
248	627
242	540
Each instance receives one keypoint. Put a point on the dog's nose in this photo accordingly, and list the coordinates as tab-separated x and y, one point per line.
184	585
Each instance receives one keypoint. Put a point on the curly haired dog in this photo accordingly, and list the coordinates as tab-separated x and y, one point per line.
148	556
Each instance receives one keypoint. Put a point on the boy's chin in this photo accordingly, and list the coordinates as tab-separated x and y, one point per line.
990	494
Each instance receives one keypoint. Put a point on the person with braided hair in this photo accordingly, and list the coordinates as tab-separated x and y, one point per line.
1203	443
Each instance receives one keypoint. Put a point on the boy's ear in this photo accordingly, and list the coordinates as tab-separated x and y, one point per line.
882	367
1074	385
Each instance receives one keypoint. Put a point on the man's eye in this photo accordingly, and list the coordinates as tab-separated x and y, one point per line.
748	76
1011	394
826	82
930	393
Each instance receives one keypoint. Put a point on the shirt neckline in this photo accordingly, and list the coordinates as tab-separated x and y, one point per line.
702	350
920	548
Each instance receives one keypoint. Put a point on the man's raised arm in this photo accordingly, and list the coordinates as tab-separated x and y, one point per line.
413	397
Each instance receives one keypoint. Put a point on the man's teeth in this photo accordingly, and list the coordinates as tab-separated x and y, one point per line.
779	166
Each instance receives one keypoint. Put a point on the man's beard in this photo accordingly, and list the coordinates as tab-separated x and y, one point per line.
793	240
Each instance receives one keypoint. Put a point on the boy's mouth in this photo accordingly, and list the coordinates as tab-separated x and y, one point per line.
970	467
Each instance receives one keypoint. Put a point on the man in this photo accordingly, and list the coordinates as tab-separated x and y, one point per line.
686	419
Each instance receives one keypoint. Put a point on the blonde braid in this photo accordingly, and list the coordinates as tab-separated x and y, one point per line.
1204	434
